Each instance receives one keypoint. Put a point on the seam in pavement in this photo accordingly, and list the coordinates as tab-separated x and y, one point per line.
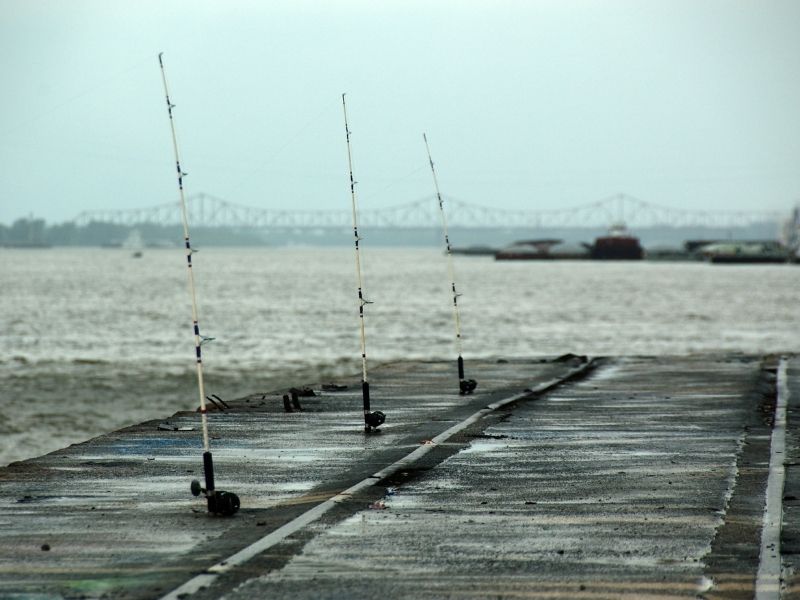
205	579
768	580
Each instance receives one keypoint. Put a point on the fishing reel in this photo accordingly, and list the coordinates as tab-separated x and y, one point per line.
219	502
467	386
373	420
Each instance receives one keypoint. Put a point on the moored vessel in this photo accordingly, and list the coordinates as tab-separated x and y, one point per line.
619	244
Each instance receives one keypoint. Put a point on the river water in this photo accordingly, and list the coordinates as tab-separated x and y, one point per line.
93	339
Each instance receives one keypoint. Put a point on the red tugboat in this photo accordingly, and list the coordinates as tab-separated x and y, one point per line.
617	245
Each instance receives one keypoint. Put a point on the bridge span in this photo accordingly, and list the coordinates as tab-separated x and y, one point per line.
206	210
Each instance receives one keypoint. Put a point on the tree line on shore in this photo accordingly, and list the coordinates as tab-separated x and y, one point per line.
32	232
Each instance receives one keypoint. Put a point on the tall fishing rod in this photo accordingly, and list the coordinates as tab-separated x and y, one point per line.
372	420
219	502
465	386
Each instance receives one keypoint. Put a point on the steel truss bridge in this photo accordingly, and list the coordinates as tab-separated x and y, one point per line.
205	210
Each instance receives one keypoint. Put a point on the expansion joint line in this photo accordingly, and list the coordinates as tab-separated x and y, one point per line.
211	574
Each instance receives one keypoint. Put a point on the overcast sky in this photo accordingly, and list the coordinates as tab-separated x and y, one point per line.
526	103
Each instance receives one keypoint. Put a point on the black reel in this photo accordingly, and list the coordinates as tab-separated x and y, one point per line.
373	420
467	386
220	502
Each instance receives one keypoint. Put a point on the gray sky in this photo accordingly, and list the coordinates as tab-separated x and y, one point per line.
526	103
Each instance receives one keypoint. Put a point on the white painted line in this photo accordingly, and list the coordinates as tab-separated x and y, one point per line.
205	579
768	580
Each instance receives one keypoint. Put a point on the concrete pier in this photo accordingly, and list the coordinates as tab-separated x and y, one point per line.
573	478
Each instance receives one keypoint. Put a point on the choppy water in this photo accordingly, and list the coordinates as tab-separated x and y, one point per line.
93	339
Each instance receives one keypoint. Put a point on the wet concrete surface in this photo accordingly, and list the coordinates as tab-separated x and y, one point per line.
644	480
113	517
638	478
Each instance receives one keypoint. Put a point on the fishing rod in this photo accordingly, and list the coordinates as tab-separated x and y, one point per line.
219	502
372	420
465	386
